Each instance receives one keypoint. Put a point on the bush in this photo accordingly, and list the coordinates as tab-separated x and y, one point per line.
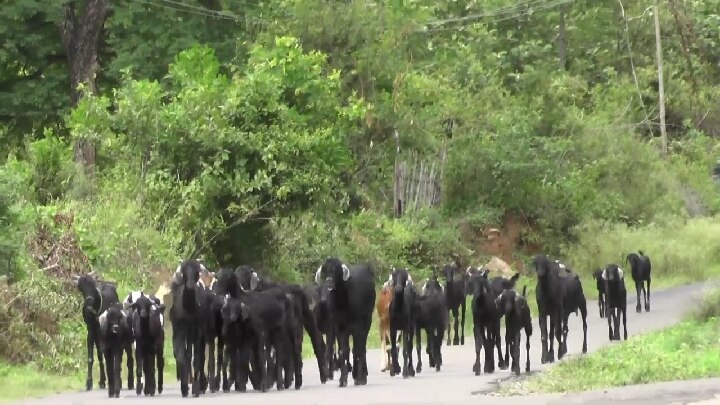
51	162
418	241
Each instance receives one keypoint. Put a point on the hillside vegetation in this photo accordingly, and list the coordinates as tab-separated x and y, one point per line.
270	133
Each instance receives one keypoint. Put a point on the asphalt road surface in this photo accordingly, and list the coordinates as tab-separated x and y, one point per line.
454	384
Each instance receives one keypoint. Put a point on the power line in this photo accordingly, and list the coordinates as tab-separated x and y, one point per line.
516	10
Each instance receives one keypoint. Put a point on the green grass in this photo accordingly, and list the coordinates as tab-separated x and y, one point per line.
26	381
688	350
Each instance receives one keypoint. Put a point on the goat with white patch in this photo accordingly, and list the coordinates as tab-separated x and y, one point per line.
402	318
615	300
147	322
115	333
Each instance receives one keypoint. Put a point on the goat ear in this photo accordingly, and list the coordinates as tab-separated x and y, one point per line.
346	272
515	277
604	274
254	281
317	275
244	311
620	272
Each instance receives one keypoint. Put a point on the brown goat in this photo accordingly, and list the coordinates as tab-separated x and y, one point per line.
383	309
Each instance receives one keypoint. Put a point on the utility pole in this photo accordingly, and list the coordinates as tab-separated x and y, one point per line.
661	84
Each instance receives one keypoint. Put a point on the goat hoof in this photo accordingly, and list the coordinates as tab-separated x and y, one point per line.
462	340
419	368
88	385
139	388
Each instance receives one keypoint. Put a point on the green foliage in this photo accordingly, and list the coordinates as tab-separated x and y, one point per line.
418	242
272	133
51	162
11	235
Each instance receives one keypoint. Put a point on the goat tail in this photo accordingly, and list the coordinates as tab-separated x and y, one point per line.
641	252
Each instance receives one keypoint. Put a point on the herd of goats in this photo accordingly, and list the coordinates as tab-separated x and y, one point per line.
251	328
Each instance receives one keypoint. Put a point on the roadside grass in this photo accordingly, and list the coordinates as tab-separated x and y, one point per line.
688	350
26	381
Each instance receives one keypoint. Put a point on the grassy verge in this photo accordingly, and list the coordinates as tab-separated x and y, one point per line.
688	350
25	381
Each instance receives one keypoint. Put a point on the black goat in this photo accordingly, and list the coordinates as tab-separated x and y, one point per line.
600	284
402	319
265	323
97	298
455	292
213	331
250	280
353	298
640	268
614	281
189	315
574	301
147	326
114	333
432	316
319	298
550	300
238	337
498	285
486	320
516	310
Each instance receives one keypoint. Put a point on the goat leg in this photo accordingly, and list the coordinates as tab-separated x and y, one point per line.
477	332
418	337
139	356
462	321
130	365
160	368
542	321
647	299
90	361
101	383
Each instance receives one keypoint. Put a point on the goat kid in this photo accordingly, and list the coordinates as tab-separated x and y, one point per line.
114	333
147	322
516	310
616	303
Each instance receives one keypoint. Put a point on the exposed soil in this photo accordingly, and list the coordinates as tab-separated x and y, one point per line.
508	241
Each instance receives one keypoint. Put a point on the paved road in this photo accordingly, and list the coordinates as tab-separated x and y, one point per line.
454	384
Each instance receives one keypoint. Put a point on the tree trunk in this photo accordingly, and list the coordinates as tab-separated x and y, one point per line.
562	40
81	31
661	84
